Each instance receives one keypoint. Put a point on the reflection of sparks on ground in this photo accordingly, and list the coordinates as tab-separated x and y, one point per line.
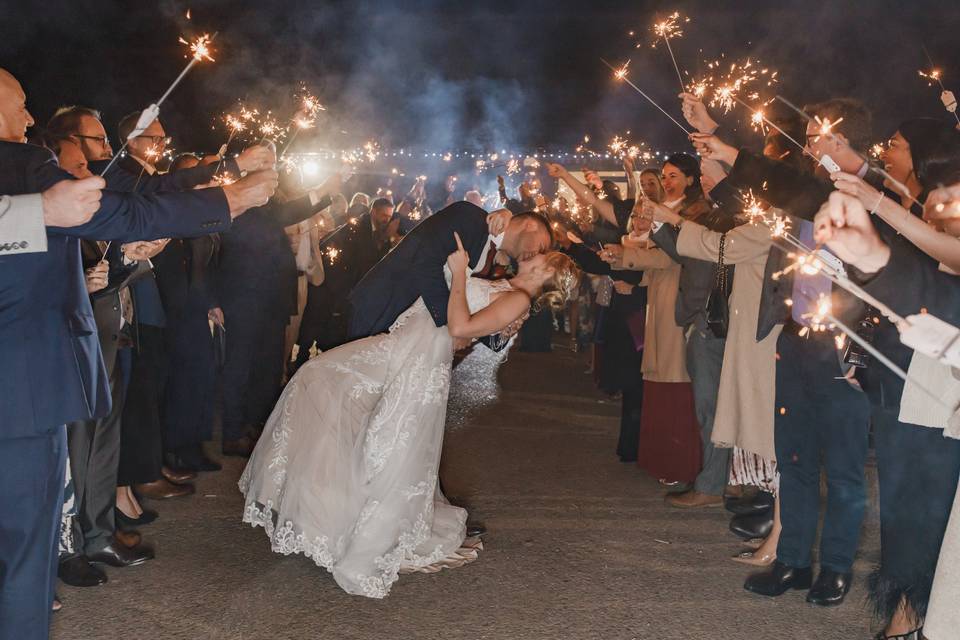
473	384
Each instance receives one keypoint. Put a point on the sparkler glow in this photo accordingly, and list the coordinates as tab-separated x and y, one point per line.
200	48
649	99
667	29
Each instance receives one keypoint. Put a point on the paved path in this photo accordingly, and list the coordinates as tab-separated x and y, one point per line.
579	546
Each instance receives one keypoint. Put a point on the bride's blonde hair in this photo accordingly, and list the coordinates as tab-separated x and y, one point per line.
563	285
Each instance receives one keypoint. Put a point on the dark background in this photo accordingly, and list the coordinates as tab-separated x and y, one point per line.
465	75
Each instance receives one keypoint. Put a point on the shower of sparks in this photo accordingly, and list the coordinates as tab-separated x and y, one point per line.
876	150
826	127
513	166
755	213
480	165
934	75
621	72
269	127
332	253
370	151
223	179
735	82
235	124
671	27
199	48
447	157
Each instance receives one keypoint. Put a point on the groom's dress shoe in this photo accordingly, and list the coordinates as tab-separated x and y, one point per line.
475	529
830	588
750	527
778	579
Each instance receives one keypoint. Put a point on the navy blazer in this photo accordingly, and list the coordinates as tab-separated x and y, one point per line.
51	369
414	269
128	175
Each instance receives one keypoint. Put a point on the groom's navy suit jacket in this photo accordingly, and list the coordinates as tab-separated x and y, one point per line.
51	369
414	269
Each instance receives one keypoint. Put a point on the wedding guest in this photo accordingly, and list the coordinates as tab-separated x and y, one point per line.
348	254
61	378
257	290
698	281
812	385
669	433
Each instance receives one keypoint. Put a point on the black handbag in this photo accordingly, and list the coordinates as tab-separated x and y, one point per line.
718	308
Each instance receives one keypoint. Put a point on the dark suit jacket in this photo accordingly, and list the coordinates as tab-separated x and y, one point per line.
107	311
257	265
414	269
52	371
358	252
128	175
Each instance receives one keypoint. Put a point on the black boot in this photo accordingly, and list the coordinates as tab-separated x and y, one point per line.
830	588
750	527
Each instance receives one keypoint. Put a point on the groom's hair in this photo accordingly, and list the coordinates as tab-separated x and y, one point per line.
533	215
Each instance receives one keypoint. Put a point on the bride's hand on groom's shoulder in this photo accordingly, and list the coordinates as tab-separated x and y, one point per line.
498	220
459	260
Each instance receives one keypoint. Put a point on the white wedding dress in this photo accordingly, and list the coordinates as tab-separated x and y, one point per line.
346	469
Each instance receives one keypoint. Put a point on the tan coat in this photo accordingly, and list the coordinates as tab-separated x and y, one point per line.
745	403
665	349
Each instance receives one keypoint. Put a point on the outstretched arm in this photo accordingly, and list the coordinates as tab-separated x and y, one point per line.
603	207
493	318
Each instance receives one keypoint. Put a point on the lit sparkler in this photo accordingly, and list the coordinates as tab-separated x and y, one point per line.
667	29
649	99
200	49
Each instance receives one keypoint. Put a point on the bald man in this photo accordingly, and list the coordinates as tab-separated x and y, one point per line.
51	370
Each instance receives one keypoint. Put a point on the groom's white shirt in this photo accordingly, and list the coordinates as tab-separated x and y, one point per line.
497	241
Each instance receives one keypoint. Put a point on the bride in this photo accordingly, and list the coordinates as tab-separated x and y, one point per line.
346	469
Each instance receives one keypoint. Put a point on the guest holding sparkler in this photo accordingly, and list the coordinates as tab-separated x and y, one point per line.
669	433
915	501
819	410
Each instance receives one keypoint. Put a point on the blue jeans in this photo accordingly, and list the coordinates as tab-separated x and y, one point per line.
820	420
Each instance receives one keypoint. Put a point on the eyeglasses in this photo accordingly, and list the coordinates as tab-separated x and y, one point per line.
101	140
156	140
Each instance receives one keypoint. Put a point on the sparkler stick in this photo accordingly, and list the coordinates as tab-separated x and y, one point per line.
896	183
200	49
620	74
668	29
934	74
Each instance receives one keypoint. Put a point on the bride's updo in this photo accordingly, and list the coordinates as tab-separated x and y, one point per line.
563	285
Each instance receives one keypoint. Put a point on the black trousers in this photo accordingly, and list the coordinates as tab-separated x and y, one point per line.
31	500
821	421
254	365
917	471
191	378
94	447
141	444
324	321
628	443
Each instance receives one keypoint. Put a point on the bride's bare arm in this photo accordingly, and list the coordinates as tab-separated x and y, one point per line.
507	308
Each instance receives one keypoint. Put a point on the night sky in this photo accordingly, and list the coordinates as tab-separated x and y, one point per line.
448	75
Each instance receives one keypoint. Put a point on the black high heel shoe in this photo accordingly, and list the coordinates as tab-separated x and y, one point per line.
148	516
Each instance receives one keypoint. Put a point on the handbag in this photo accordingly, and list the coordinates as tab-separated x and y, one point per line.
718	309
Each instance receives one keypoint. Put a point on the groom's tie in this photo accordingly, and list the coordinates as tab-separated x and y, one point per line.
487	271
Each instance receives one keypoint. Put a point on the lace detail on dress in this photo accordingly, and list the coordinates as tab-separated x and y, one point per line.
346	470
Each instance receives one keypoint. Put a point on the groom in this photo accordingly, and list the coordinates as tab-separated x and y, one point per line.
414	269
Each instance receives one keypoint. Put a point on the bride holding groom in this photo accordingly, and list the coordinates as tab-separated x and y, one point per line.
346	469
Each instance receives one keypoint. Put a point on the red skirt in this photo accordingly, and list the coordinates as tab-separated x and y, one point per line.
670	446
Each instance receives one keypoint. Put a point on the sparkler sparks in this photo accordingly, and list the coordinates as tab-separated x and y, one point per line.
739	77
877	150
512	166
621	72
826	127
199	48
671	27
934	75
332	253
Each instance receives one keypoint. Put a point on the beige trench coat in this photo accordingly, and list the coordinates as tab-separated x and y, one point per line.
665	349
745	403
